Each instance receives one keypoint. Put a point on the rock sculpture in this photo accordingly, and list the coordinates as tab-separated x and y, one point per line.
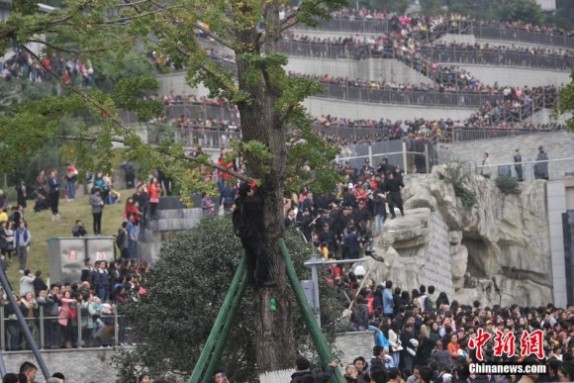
497	251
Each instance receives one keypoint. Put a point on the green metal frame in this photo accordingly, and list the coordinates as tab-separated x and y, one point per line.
211	353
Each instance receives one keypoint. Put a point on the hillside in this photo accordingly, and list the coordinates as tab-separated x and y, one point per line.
42	227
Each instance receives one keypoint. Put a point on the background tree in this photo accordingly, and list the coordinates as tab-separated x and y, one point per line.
185	290
564	15
528	12
397	6
431	7
268	100
566	104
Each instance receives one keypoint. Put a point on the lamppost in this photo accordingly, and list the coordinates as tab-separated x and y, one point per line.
314	263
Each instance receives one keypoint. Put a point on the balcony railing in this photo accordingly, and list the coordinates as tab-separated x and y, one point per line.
478	29
84	331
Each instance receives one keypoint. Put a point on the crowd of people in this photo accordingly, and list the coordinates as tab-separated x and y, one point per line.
205	117
452	21
427	57
55	314
23	65
423	336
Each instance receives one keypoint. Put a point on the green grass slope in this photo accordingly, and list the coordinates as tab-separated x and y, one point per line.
42	227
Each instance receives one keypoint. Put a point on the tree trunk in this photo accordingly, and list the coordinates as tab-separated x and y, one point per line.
261	121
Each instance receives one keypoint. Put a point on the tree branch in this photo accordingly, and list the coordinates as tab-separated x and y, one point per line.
289	21
130	4
61	49
286	26
166	153
211	71
43	26
119	124
140	16
215	37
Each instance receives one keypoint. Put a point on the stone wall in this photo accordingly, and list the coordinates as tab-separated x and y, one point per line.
353	344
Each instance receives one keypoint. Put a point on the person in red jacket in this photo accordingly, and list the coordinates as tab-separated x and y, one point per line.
154	191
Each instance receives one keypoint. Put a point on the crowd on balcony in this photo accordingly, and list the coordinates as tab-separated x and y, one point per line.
524	96
450	19
207	122
424	56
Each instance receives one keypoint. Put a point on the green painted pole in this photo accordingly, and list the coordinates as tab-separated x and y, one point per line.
318	337
222	340
219	322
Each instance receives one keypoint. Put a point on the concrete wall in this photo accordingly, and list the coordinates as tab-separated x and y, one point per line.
85	366
354	344
176	82
545	116
437	267
169	222
455	38
516	76
369	69
556	200
347	109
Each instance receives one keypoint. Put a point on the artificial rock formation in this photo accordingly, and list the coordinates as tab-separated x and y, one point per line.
497	251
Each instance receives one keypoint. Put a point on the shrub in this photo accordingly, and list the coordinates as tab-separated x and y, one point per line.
455	174
507	185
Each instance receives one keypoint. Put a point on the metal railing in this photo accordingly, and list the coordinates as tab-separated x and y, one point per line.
530	169
218	136
498	57
350	25
188	137
439	54
84	331
478	29
489	32
462	134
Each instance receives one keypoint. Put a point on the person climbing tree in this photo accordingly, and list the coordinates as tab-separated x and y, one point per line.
248	225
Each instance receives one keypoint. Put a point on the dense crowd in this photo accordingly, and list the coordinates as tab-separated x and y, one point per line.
427	57
192	116
22	65
423	336
452	20
420	335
